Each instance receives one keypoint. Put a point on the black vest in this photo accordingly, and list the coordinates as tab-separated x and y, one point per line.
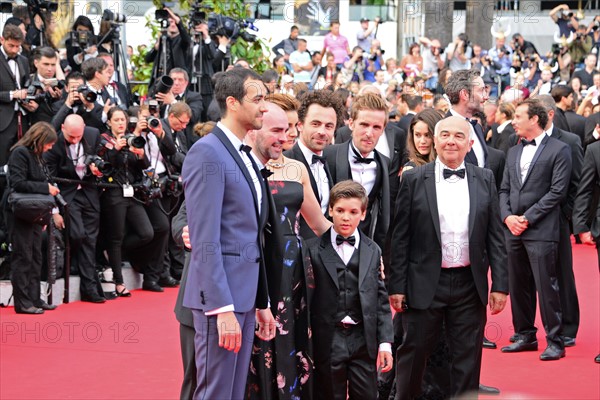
348	299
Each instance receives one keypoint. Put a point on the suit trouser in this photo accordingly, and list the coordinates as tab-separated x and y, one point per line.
174	253
531	267
8	137
221	374
26	263
456	306
188	358
569	302
352	372
83	231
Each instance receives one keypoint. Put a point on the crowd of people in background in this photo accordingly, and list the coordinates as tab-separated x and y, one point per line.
71	129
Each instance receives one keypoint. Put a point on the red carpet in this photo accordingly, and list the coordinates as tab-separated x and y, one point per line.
129	349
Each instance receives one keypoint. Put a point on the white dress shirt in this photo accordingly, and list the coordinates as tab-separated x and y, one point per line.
152	150
528	154
14	67
503	125
78	157
345	251
453	204
318	171
383	146
477	145
365	174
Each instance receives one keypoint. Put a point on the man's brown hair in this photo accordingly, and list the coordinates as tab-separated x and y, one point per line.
368	101
348	190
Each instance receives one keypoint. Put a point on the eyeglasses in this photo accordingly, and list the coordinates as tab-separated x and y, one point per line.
180	121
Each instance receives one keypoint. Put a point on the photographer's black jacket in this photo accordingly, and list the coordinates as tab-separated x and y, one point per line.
127	167
178	55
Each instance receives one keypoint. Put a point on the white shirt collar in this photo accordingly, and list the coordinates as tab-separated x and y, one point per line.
235	141
549	131
440	166
503	125
308	153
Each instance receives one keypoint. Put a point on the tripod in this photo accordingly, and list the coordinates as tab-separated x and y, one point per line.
118	53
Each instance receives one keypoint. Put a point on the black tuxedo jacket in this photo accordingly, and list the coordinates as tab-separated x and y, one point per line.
586	216
496	161
405	121
8	84
574	143
542	192
577	124
61	165
339	165
416	240
92	118
295	153
178	53
377	319
194	100
560	120
501	141
122	92
590	125
180	142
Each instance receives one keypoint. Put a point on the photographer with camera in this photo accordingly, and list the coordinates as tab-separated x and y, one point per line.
119	208
117	92
28	175
354	66
51	83
97	75
501	55
178	43
374	61
433	61
586	73
208	58
488	67
459	53
73	157
593	30
580	47
565	19
521	46
77	99
367	33
81	45
13	91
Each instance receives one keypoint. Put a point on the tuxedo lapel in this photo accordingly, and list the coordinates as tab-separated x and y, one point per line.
432	198
366	254
518	164
473	183
535	158
342	163
238	159
329	257
297	154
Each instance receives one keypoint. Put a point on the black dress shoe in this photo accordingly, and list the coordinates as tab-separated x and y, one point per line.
597	359
47	307
568	341
488	344
168	282
29	310
552	353
488	389
152	287
514	338
93	299
521	345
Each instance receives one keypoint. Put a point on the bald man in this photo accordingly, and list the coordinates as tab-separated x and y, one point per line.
68	160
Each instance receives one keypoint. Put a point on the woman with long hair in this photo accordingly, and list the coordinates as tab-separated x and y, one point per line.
28	174
419	142
412	63
76	55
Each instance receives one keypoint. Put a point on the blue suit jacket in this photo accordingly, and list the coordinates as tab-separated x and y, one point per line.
223	225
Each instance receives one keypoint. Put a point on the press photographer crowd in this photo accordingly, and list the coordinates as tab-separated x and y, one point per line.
94	177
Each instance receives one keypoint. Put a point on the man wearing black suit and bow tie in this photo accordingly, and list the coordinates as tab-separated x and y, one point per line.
358	160
14	71
447	234
536	182
317	119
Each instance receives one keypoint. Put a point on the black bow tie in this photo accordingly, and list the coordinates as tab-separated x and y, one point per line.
265	173
358	158
339	239
526	142
449	172
245	148
11	58
178	97
317	158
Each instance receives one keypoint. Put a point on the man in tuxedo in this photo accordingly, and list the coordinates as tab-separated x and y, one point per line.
563	96
446	236
117	92
317	119
181	92
585	214
15	72
97	75
564	271
535	184
226	283
415	104
358	160
44	60
68	160
74	102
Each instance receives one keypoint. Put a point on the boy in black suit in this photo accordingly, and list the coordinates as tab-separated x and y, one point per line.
353	314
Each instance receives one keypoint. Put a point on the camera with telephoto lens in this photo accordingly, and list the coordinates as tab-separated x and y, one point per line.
132	124
153	106
89	95
103	166
37	5
135	141
35	92
148	190
220	25
113	17
82	39
153	122
172	185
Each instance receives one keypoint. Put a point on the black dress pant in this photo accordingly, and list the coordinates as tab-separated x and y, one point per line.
351	372
83	232
188	358
25	263
457	308
119	212
174	254
569	302
531	267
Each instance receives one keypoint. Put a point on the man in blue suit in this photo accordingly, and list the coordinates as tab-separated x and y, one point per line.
226	283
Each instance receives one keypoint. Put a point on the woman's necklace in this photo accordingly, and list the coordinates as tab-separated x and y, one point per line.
276	164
